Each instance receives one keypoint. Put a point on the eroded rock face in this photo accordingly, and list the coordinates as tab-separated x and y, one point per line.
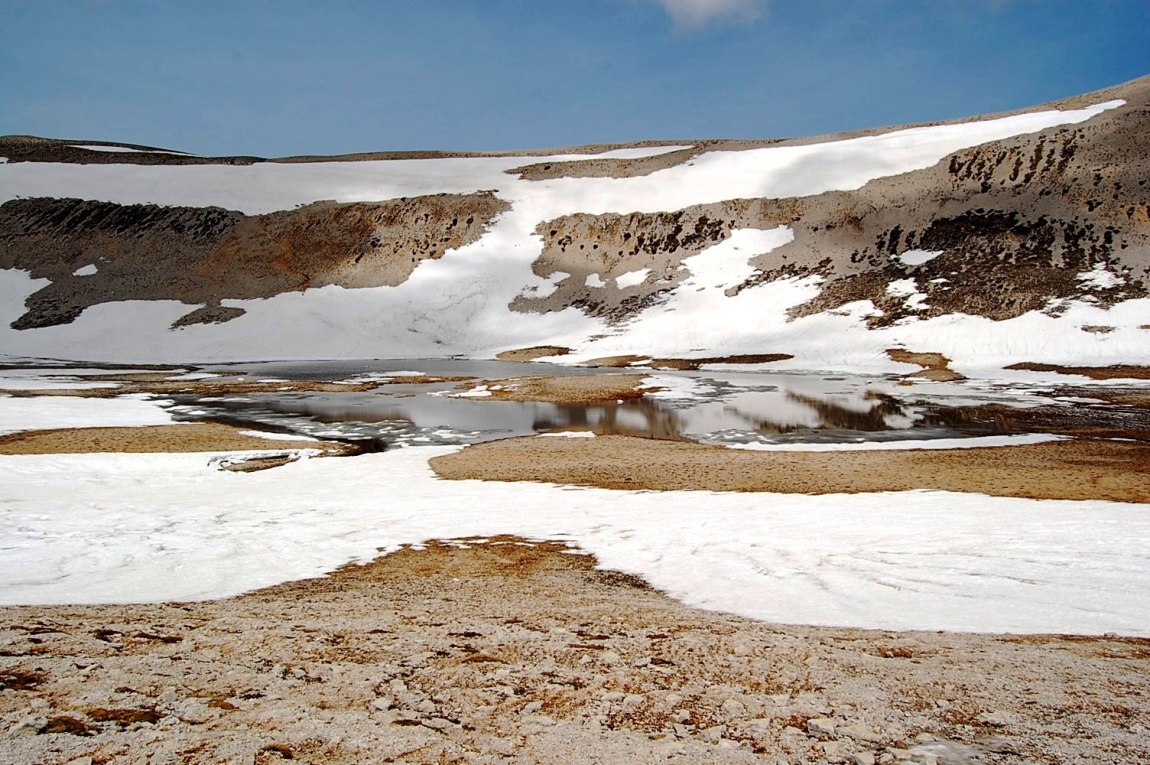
98	252
1014	224
997	230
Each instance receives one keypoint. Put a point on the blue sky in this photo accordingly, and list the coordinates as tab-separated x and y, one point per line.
280	77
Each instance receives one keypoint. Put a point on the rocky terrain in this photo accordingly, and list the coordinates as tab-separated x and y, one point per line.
208	254
1035	223
512	650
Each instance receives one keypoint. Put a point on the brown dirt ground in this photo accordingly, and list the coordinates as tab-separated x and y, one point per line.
1077	469
532	353
1114	372
197	437
582	389
935	366
508	651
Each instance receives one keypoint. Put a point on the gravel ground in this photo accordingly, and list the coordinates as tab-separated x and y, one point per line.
507	650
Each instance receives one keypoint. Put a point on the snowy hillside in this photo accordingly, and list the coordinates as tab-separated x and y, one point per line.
1020	238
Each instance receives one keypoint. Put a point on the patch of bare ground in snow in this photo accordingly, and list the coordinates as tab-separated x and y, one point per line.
582	389
507	650
935	366
1074	469
532	353
1113	372
197	437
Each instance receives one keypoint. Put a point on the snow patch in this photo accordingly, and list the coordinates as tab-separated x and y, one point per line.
594	280
918	257
87	270
1100	278
48	412
632	278
153	527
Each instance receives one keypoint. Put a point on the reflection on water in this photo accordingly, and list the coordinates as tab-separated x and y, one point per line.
720	407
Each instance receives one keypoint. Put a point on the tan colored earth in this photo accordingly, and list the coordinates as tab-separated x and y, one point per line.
508	651
578	389
1073	469
190	437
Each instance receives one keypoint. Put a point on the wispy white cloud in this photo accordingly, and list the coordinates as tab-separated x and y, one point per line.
693	14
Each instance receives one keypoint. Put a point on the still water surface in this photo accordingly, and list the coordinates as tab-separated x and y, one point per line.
715	407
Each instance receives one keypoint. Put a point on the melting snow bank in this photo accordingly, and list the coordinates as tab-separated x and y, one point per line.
44	413
128	528
874	446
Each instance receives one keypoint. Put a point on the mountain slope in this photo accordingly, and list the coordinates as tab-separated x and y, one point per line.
1018	238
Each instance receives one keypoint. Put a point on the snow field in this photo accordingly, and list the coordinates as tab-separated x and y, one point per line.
127	528
458	305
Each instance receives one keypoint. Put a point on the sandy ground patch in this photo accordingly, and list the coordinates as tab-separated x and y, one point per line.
508	651
582	389
1113	372
198	437
1108	470
935	366
532	353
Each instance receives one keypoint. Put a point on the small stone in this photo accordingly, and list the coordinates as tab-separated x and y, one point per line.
609	657
836	751
858	732
861	758
436	723
382	704
681	716
614	696
532	708
713	734
427	706
996	719
643	662
733	709
821	727
633	700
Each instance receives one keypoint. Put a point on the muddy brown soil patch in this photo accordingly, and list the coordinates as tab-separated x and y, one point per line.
1106	470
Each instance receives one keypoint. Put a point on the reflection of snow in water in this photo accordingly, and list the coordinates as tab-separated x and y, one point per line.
725	407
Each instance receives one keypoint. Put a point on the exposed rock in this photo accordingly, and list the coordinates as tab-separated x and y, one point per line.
205	255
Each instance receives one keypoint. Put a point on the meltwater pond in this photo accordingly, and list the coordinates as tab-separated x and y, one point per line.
741	407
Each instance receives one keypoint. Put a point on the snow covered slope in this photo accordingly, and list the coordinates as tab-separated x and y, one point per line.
1018	238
